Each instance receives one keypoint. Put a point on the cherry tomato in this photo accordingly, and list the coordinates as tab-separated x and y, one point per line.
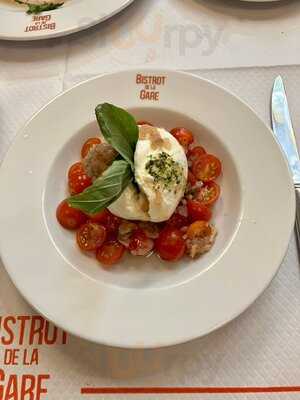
170	244
184	136
112	224
109	220
140	244
207	168
91	142
91	236
191	179
177	221
198	211
100	217
110	253
209	193
68	217
194	153
78	179
75	169
144	123
199	230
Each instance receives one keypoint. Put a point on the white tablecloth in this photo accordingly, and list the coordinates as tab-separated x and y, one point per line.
259	348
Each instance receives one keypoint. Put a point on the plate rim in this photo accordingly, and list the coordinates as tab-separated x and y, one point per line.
225	320
63	32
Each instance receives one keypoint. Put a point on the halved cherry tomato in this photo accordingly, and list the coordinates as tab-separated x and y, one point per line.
76	168
170	244
112	224
194	153
199	230
109	220
209	193
140	244
68	217
177	221
110	253
198	211
101	217
207	168
184	136
144	123
78	179
91	142
191	179
91	236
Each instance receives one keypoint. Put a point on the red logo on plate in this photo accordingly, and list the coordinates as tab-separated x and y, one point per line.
151	85
41	23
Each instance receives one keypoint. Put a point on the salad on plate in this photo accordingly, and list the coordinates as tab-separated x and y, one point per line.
141	189
38	6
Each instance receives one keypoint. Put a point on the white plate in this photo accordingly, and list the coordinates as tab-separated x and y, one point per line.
144	302
260	1
73	16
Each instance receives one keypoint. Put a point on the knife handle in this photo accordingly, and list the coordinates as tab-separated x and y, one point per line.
298	215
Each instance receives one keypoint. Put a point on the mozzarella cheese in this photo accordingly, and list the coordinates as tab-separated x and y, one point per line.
132	205
161	173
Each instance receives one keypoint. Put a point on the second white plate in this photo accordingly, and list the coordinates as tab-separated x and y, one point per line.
73	16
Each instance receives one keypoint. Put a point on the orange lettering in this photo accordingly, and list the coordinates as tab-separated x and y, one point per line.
12	388
23	319
36	330
52	339
41	390
28	390
8	330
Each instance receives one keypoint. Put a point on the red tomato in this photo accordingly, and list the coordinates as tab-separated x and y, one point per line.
207	168
91	236
177	221
110	253
140	244
170	244
75	169
144	123
198	211
194	153
91	142
78	179
109	220
68	217
184	136
100	217
209	193
191	179
112	224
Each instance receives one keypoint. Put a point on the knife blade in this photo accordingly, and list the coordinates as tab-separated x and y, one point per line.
284	132
283	128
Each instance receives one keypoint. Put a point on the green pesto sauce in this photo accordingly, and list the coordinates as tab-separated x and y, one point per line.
166	172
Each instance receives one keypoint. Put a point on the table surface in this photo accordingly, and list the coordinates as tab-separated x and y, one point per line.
259	348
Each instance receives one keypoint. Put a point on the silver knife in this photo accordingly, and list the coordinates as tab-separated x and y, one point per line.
283	130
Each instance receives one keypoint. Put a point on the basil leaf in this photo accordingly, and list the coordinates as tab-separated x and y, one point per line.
105	190
119	129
